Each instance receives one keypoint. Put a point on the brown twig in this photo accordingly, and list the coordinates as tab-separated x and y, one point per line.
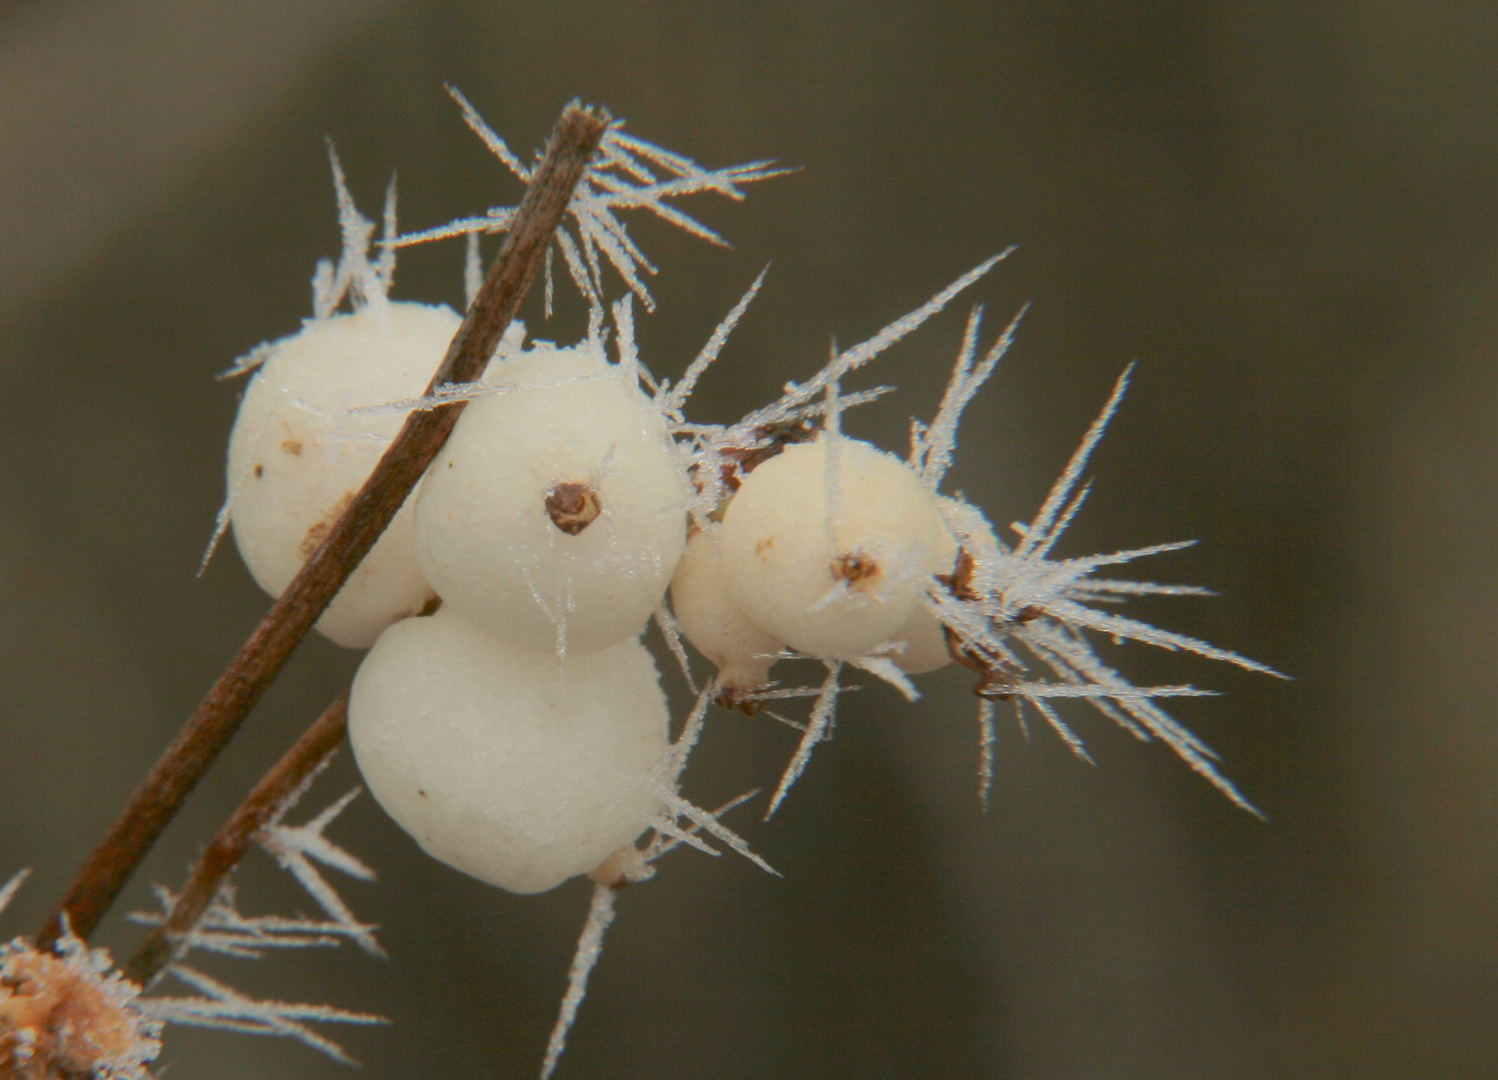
229	701
236	835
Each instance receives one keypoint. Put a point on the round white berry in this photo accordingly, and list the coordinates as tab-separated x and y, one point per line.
714	623
556	513
829	551
921	644
512	766
297	455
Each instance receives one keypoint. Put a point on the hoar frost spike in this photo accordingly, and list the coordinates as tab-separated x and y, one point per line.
628	174
1006	610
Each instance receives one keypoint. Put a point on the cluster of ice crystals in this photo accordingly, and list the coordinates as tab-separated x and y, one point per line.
217	1005
628	174
224	930
1017	616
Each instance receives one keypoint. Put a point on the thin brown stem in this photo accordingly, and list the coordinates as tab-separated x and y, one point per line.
236	835
231	698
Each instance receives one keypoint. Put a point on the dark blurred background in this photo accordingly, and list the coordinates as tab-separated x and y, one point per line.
1286	213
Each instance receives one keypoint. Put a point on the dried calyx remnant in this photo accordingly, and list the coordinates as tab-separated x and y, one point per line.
572	507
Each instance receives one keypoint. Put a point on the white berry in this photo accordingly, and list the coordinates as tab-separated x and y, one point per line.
831	557
714	623
297	455
556	513
921	644
507	764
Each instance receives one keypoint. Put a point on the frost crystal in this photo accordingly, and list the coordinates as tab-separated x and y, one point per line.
627	174
998	598
298	848
721	454
631	866
223	929
223	1007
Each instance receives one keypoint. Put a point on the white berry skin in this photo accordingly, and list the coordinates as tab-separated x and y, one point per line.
833	588
924	639
499	762
713	622
485	539
297	455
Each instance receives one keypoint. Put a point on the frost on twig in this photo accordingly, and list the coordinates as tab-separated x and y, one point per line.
628	173
223	929
225	1008
300	848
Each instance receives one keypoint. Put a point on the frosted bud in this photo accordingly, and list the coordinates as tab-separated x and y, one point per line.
555	514
830	556
297	455
714	623
507	764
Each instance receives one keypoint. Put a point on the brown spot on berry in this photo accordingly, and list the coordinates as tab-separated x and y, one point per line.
259	470
572	507
854	567
763	546
320	529
292	447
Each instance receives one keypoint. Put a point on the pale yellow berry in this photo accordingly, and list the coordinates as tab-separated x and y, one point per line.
714	623
828	551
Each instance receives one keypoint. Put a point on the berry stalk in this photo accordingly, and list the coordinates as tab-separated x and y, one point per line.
229	701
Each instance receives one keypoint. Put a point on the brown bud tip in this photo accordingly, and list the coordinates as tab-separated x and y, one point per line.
853	567
572	507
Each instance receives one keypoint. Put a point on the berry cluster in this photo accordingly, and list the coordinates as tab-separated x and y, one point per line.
507	714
